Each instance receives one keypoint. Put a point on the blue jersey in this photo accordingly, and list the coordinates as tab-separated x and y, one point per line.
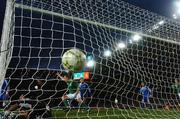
84	90
3	90
145	91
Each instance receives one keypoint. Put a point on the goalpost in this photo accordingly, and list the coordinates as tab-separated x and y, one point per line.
130	45
6	39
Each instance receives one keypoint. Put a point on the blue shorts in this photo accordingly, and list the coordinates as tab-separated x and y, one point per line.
145	99
85	95
3	97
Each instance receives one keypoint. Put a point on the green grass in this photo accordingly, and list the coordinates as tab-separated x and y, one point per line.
118	114
114	113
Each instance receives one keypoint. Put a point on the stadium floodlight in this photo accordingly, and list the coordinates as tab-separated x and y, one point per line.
174	16
155	27
90	63
177	4
121	45
161	22
107	53
89	57
136	37
130	41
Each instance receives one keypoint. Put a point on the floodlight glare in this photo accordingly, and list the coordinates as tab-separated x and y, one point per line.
174	16
177	4
155	27
177	7
90	63
121	45
161	22
107	53
130	41
89	57
136	37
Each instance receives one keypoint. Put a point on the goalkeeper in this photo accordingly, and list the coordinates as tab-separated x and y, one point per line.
177	86
72	89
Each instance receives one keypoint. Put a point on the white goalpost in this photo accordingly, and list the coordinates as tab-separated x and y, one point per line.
6	39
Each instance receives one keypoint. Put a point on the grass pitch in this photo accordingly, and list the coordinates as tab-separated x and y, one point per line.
114	113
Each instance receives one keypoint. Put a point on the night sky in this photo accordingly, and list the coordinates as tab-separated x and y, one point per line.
162	7
2	10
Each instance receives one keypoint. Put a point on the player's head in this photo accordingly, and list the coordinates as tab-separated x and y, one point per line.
142	84
22	97
65	76
176	81
81	79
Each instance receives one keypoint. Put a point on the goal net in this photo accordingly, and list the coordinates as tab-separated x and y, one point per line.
129	45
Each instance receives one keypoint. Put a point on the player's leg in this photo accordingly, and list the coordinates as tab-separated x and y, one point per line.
179	95
79	100
179	98
86	107
82	102
142	103
65	100
67	97
148	103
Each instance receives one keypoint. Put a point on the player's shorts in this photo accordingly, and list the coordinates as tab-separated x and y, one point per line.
145	99
85	95
74	96
179	95
78	96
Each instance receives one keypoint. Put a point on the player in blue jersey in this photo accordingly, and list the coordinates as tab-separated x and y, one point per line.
85	93
146	93
4	92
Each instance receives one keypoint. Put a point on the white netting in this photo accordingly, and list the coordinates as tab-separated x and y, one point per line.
45	29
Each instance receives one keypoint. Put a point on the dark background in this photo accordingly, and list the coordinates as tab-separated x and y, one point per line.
2	12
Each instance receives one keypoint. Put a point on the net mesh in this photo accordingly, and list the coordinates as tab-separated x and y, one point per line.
45	29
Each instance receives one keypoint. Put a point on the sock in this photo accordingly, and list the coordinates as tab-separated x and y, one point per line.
66	103
142	105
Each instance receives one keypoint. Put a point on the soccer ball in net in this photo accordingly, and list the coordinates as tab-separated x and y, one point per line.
74	60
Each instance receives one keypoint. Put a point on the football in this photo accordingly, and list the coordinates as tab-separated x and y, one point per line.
74	60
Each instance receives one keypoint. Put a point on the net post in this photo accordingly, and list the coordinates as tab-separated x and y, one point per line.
6	44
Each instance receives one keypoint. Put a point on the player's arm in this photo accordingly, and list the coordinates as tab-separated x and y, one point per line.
149	89
150	94
140	91
174	86
7	92
89	91
78	88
